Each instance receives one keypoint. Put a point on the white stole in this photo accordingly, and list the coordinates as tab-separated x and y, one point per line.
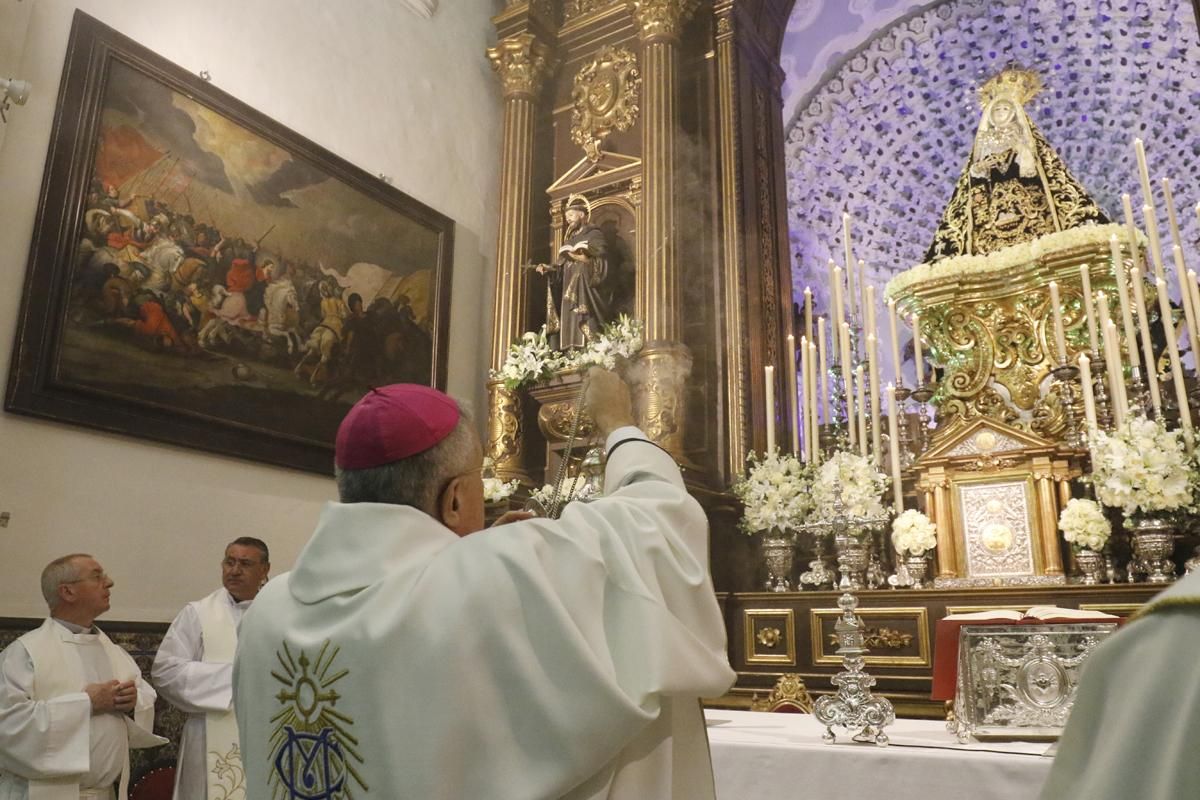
223	759
58	670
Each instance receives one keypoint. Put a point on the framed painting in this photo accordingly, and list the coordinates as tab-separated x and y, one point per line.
201	275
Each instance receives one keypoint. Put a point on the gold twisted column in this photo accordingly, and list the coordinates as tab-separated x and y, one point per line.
660	394
523	62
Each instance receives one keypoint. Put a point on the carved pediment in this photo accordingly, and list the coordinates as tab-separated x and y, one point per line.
983	438
587	175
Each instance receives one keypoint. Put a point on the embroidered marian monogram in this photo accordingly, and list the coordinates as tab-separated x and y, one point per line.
313	751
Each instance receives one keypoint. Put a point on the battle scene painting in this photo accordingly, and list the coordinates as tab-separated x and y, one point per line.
216	272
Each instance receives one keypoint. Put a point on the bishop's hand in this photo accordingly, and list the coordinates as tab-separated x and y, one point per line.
607	401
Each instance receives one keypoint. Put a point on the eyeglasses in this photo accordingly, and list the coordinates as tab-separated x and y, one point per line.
101	577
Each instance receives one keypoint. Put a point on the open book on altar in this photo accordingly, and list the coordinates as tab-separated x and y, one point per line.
1034	614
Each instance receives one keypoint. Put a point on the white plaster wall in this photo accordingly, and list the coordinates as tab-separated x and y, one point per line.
370	80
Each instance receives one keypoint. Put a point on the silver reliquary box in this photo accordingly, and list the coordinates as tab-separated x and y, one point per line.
1018	681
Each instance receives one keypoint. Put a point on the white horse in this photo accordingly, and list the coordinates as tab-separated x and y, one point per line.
280	315
228	312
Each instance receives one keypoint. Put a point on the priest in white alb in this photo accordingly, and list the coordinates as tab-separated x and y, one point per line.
411	654
193	670
72	703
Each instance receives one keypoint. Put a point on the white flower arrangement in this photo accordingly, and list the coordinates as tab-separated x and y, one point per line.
967	266
531	359
621	338
1143	468
543	496
774	492
856	480
1084	525
913	533
494	489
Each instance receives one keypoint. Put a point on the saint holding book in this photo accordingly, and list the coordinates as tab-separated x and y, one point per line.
579	273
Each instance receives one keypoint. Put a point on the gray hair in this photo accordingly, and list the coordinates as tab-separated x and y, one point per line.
57	572
414	481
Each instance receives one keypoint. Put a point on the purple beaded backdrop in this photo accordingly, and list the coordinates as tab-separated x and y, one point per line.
882	128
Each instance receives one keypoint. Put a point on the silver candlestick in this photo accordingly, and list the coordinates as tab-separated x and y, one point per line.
853	707
1066	374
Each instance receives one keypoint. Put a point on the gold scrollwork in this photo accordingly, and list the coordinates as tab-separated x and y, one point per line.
881	638
504	430
605	98
556	420
573	9
769	637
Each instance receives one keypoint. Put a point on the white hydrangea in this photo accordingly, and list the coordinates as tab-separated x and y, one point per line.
858	482
1142	467
774	492
1084	525
913	532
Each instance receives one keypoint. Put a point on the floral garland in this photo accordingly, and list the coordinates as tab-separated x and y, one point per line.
774	492
913	532
856	480
967	266
531	359
1143	468
1084	525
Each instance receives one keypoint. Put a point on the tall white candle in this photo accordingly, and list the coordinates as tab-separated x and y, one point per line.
1139	150
838	307
1169	202
918	359
808	315
1120	275
860	381
1190	313
848	381
1089	398
1155	243
894	330
769	375
814	447
1185	411
894	450
848	252
793	389
1085	280
1060	337
867	304
1151	376
873	369
1116	377
824	367
1135	253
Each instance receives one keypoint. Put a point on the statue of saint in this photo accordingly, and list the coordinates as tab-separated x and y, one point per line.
579	275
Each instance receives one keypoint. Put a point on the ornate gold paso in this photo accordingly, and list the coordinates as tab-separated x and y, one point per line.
605	97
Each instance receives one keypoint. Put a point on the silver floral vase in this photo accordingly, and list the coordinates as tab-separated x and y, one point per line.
852	559
779	556
1153	545
1091	564
917	567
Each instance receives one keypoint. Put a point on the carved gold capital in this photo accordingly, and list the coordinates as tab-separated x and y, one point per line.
523	63
661	19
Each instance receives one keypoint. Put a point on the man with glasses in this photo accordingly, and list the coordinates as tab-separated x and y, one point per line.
194	671
72	703
411	654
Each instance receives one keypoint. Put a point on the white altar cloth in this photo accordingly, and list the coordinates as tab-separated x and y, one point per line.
764	756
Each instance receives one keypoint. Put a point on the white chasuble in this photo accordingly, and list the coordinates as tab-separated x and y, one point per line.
538	660
1136	720
51	745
